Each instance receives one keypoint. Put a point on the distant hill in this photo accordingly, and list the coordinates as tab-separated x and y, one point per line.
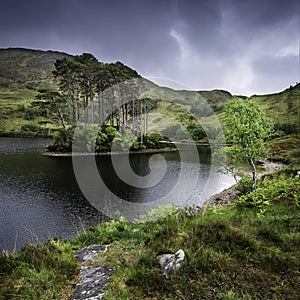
24	71
26	68
283	108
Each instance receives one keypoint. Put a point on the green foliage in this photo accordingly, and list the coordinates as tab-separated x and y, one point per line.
152	140
62	140
269	191
31	128
159	213
37	272
247	128
30	114
244	185
124	141
105	136
286	128
196	131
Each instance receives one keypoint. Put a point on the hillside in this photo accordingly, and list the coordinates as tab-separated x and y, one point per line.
26	68
24	71
283	108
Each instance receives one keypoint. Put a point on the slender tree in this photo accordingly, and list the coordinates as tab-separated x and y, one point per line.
247	127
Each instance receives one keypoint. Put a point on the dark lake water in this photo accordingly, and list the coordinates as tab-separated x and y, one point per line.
40	197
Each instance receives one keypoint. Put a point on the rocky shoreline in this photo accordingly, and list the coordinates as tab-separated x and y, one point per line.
230	194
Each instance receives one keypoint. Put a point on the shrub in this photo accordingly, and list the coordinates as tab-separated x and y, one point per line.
30	114
269	191
31	128
196	131
244	185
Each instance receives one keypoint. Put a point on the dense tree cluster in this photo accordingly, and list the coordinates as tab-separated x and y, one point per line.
81	80
80	98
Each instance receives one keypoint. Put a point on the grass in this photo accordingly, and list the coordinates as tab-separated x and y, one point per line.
232	252
287	150
38	272
16	113
282	107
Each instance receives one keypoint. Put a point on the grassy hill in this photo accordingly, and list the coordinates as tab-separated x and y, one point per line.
24	71
283	108
26	68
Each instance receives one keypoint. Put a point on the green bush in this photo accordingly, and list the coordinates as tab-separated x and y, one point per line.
152	140
284	189
62	140
31	128
30	114
244	185
196	131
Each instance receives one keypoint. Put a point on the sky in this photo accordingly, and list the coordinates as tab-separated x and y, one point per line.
243	46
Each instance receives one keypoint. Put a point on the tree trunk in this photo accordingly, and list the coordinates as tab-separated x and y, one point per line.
92	104
62	120
70	105
253	169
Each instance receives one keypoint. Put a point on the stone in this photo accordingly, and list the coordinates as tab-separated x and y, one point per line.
92	280
92	283
171	262
82	255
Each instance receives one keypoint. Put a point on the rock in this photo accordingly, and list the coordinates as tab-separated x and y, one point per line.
82	255
169	262
92	283
225	197
92	280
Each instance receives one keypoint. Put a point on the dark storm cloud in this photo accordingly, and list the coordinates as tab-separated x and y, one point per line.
246	46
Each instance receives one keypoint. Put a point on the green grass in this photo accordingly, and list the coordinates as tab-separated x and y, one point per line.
287	150
282	107
16	113
38	272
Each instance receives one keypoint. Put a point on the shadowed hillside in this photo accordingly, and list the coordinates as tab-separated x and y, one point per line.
26	68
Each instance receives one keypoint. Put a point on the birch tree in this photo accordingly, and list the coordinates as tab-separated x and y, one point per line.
247	128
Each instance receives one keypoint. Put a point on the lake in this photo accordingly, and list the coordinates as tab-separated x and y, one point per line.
40	197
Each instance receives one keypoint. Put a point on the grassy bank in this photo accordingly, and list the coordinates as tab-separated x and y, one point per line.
18	117
246	250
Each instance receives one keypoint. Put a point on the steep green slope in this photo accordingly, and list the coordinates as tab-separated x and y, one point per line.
26	68
22	73
283	108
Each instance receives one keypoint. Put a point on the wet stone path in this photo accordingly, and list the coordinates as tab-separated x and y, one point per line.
92	280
